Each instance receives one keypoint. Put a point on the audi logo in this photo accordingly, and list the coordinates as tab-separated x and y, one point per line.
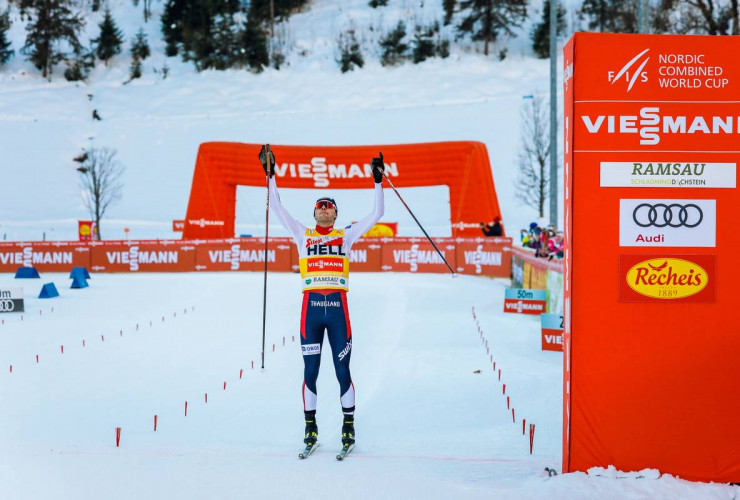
662	215
6	305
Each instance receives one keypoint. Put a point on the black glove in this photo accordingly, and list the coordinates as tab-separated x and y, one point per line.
265	156
378	169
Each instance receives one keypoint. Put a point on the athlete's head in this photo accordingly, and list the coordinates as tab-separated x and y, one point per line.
325	211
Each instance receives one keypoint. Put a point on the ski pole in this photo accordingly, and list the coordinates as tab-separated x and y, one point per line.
269	157
419	223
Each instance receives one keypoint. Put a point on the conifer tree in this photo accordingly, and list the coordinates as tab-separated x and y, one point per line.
51	22
485	20
108	43
5	51
423	43
449	7
393	48
252	43
350	54
541	31
140	47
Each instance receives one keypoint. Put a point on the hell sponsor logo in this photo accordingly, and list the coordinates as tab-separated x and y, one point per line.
552	332
668	174
134	257
667	223
11	300
667	278
479	258
670	70
323	172
524	301
415	256
650	124
236	255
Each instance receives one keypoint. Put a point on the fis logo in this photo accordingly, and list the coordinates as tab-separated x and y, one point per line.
630	75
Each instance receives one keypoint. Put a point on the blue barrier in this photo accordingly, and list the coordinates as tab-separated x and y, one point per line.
27	272
81	270
79	282
48	291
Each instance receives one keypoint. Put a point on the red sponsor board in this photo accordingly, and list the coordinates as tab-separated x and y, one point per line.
366	255
44	256
667	278
417	255
523	306
552	340
243	255
483	256
334	264
142	256
178	226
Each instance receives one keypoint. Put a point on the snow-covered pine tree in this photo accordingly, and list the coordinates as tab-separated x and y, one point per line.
108	43
140	46
5	51
541	30
350	55
51	21
253	44
393	50
485	20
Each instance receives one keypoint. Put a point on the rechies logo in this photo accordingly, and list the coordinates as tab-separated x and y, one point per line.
667	278
632	71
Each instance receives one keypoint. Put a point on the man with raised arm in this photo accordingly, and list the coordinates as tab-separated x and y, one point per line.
323	253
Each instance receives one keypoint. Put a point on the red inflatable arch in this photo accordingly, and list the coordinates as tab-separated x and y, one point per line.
222	166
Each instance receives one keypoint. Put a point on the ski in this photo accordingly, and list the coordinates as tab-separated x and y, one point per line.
309	449
345	451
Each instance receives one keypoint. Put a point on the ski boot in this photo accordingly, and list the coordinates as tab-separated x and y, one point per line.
348	430
312	430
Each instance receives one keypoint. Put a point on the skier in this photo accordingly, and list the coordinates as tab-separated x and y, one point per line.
323	253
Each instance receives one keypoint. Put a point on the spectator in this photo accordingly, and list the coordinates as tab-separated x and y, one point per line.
493	228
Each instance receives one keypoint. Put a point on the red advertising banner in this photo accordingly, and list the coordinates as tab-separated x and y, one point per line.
366	255
417	255
483	256
142	256
651	128
44	256
243	254
178	226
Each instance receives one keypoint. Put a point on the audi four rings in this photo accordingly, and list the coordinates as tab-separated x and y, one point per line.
6	305
662	215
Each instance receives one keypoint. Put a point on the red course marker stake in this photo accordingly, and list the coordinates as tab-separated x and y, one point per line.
273	347
524	421
507	402
102	337
37	358
155	423
499	373
118	436
241	371
504	388
513	418
283	340
224	385
186	408
11	368
83	342
206	397
531	438
252	365
494	366
62	349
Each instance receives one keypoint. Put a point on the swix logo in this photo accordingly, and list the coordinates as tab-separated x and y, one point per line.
650	125
346	350
413	257
631	75
322	172
133	257
480	258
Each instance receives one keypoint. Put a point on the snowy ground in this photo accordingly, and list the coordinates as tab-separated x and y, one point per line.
427	424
